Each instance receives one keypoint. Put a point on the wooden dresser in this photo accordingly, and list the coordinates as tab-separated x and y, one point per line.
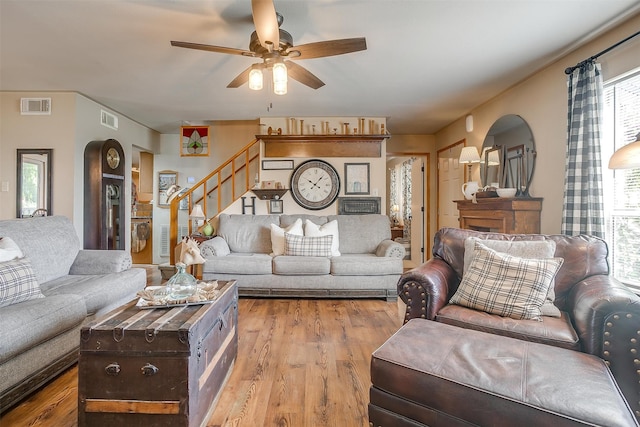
519	215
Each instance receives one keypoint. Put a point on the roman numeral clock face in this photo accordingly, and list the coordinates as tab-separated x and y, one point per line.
315	184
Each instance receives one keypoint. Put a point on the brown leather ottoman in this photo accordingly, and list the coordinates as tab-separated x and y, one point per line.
433	374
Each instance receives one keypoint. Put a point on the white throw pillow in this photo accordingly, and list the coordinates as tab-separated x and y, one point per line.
277	236
9	249
331	228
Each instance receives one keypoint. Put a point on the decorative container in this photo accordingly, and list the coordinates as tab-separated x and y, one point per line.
182	285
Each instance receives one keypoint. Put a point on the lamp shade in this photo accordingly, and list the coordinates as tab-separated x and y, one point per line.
469	155
494	158
627	157
196	213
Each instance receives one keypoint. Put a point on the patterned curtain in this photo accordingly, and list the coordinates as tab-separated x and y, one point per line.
393	188
406	197
583	211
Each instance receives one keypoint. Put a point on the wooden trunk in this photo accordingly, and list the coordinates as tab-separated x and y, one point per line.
159	367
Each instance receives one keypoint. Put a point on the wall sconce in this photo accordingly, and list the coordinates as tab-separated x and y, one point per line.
627	157
469	156
197	215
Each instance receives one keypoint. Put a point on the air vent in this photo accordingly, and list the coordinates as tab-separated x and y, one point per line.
35	106
109	120
183	230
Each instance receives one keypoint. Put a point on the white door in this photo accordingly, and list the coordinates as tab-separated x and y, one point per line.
450	179
417	212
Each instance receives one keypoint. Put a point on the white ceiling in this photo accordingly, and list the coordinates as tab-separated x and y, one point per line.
427	63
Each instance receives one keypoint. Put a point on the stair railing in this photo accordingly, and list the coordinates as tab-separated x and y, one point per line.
216	191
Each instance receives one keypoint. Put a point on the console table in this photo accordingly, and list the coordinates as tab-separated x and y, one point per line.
518	215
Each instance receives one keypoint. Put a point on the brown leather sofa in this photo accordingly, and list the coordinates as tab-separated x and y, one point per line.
600	316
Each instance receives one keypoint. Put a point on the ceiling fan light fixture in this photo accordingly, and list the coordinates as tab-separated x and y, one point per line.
279	73
280	88
255	79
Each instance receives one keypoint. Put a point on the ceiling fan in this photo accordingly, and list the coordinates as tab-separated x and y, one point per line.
275	47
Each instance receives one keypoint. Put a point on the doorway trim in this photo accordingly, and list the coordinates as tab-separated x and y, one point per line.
462	142
426	195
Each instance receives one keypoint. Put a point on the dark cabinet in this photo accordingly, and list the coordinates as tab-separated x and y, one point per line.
104	207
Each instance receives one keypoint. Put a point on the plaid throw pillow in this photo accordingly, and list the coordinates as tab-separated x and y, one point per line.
307	246
506	285
17	282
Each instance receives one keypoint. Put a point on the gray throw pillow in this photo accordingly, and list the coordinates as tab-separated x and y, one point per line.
535	249
506	285
17	282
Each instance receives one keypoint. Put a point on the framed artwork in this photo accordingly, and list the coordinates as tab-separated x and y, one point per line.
356	178
276	206
194	141
277	164
167	180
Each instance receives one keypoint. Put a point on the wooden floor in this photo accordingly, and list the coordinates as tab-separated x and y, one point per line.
300	363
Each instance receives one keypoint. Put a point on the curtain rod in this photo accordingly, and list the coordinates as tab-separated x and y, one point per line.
594	57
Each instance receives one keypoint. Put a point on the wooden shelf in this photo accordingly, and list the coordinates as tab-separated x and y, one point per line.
323	145
266	194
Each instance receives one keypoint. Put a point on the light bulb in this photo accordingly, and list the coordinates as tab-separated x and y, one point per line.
255	79
280	88
279	73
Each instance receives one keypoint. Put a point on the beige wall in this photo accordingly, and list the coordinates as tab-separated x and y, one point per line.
73	123
542	101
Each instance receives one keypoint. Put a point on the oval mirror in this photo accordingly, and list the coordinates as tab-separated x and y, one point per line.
508	155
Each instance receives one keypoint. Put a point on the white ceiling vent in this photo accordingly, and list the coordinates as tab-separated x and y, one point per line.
35	106
109	120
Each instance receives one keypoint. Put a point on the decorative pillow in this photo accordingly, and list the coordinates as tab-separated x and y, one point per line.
9	249
506	285
17	282
277	236
523	249
307	246
331	228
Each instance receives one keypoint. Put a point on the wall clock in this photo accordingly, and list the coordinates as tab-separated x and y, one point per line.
113	158
315	184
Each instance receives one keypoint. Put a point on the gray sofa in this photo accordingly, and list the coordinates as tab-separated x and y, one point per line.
39	338
369	265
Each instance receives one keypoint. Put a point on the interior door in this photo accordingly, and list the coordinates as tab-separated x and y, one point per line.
450	179
417	212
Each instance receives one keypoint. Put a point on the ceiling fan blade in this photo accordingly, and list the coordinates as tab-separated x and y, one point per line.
266	22
328	48
241	79
301	74
211	48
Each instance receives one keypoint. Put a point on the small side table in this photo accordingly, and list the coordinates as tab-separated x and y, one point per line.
397	231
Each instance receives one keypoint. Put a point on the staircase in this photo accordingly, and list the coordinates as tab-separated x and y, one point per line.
216	191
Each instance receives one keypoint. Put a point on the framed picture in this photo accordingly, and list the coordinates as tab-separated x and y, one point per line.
356	178
194	141
277	164
167	181
276	206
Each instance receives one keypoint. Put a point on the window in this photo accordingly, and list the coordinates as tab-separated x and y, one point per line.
622	205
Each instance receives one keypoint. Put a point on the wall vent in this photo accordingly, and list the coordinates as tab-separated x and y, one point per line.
109	120
35	106
183	230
